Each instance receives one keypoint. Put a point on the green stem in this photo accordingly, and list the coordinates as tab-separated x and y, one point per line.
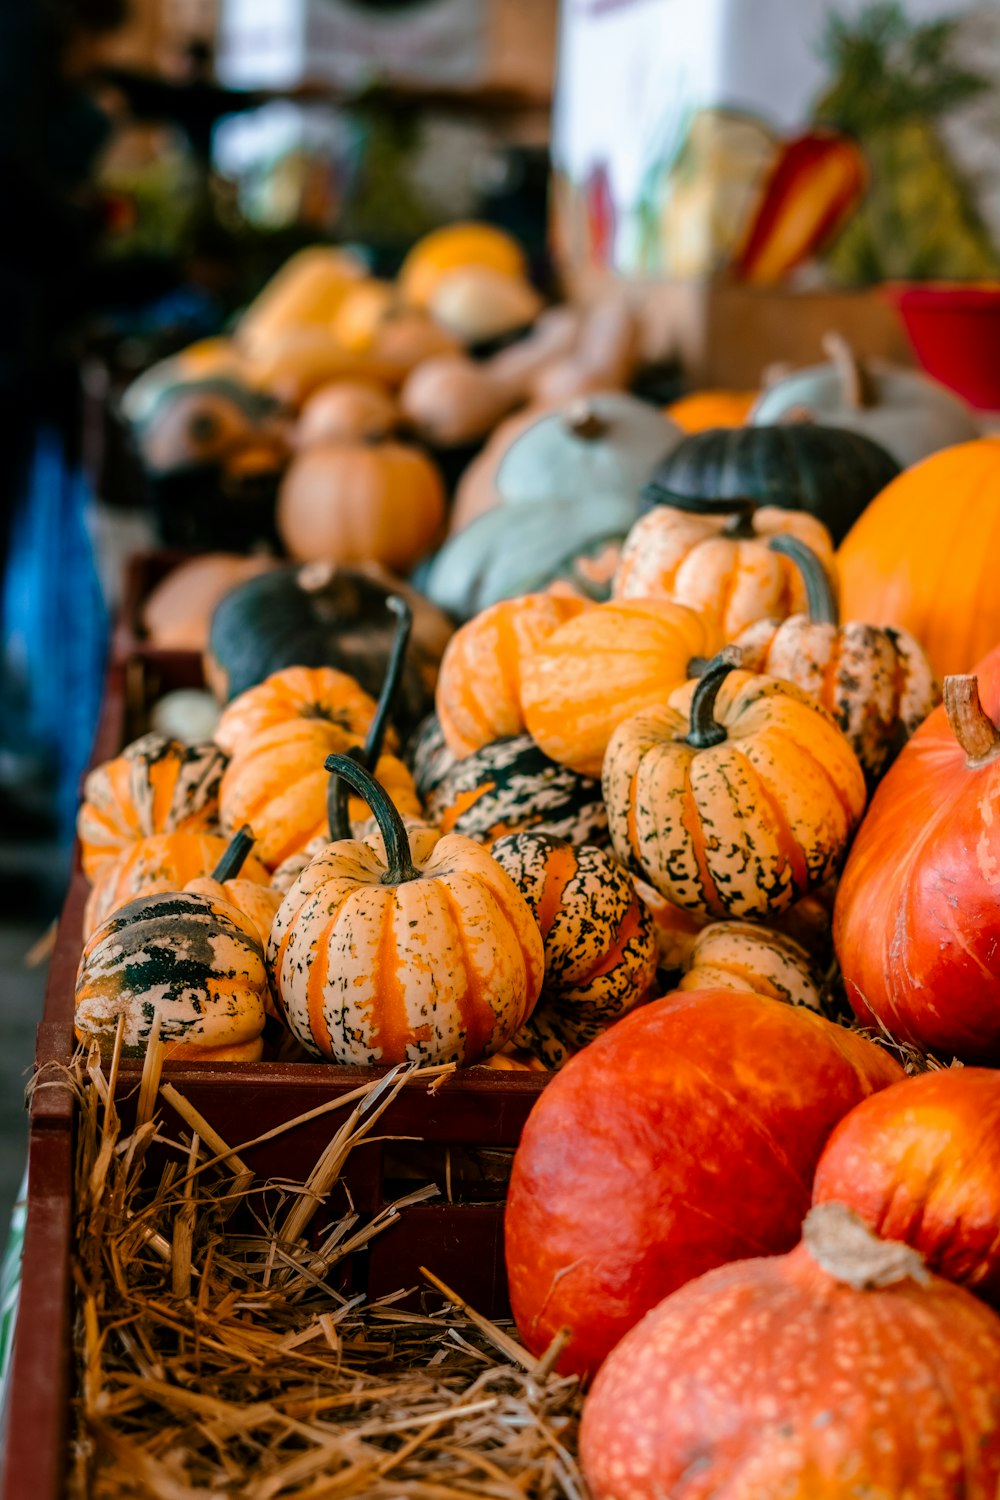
391	826
231	862
822	606
706	730
370	753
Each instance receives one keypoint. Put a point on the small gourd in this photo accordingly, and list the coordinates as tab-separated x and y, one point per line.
745	956
256	901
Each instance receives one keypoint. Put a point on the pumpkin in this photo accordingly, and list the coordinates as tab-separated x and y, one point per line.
177	612
877	684
917	917
193	962
736	798
905	411
304	293
346	411
924	1167
604	444
513	550
842	1368
310	693
429	953
321	616
743	956
477	303
257	902
719	562
512	785
601	667
917	564
357	318
158	862
806	924
600	949
684	1137
456	245
344	502
364	827
706	409
478	694
428	757
828	472
156	785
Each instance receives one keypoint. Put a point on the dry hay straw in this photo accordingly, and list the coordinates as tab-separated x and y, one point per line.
214	1362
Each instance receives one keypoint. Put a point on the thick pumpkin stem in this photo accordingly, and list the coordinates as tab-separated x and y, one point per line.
233	858
706	730
584	422
841	1244
336	796
855	382
819	595
971	725
400	866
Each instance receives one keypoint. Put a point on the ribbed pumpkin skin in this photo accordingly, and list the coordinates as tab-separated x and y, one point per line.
161	862
770	1379
443	968
877	684
745	828
296	693
828	472
683	1138
921	1163
478	696
600	949
510	786
196	960
608	663
156	785
743	956
917	917
670	554
920	565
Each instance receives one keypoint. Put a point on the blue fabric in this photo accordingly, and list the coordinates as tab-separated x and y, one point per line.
55	621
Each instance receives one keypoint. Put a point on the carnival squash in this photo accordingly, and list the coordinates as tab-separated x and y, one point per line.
226	883
745	956
158	862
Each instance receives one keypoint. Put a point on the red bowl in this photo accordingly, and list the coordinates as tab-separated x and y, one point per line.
955	333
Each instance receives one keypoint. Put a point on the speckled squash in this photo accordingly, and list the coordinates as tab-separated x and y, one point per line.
841	1369
743	956
478	695
296	693
284	877
720	564
877	684
511	785
429	954
737	798
156	785
161	862
609	662
600	950
428	756
194	961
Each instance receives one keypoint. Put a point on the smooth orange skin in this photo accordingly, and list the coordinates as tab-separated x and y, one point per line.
920	558
683	1138
705	409
771	1380
916	922
920	1162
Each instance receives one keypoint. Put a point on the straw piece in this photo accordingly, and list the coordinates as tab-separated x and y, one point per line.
503	1341
190	1116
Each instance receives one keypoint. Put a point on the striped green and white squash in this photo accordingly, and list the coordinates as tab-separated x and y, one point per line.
600	945
196	963
511	785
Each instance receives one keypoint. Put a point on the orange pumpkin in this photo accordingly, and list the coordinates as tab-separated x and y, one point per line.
918	558
319	694
737	798
161	862
345	411
841	1369
156	785
456	245
719	561
360	502
478	696
706	409
429	952
603	665
179	609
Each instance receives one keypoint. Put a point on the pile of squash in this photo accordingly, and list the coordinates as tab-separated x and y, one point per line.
696	801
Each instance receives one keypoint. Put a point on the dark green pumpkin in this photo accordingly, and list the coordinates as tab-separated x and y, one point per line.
321	616
827	471
511	785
